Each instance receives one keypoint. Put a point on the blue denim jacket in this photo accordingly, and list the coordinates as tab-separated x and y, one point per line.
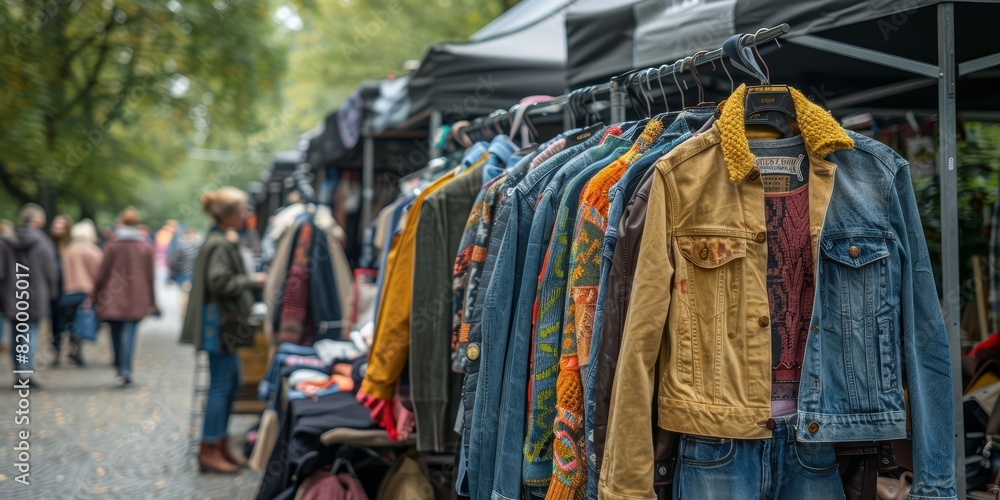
512	227
876	321
510	429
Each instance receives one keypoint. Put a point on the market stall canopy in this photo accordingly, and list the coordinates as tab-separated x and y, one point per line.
522	53
662	32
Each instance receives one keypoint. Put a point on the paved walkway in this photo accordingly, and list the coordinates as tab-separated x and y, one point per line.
90	439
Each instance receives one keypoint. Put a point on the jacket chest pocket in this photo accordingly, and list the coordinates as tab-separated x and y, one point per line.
707	288
859	324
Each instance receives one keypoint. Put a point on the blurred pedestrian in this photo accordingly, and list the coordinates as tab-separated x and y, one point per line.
124	292
5	229
59	233
218	321
27	262
181	262
161	241
107	235
81	264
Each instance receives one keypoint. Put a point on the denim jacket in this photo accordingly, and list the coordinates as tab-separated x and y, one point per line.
699	306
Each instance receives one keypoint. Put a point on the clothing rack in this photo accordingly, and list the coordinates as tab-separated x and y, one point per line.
572	102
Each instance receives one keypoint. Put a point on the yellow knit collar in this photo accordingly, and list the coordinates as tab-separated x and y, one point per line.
820	132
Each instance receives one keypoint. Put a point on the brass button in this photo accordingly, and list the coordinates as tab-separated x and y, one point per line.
754	174
815	328
763	321
704	253
732	335
472	352
761	237
813	427
853	251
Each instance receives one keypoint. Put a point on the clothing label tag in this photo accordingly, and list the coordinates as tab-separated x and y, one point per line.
785	165
583	135
776	183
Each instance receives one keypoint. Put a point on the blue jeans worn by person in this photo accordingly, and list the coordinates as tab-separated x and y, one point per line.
123	343
63	315
25	336
224	372
777	468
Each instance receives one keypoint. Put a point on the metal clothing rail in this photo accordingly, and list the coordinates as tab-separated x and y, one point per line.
618	84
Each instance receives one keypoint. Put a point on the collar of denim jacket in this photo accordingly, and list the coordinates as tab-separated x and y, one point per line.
821	134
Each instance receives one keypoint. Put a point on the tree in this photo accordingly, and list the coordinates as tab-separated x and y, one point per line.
97	95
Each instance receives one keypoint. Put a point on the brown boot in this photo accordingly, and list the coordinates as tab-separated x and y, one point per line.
210	459
233	456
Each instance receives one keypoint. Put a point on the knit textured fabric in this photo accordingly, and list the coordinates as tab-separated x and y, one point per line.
588	238
821	133
492	198
569	463
295	304
463	263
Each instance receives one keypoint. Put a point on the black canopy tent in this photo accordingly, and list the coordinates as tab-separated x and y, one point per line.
521	53
849	54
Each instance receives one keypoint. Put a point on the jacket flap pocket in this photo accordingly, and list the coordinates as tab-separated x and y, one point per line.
710	251
856	251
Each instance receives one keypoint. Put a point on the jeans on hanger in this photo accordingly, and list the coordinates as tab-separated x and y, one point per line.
224	373
777	468
123	343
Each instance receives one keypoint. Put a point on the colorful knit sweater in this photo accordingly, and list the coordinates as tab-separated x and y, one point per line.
550	304
588	237
569	462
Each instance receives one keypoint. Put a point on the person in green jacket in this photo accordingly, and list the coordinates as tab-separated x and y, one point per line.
218	321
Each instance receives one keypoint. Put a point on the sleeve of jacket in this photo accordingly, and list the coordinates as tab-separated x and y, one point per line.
224	280
926	355
430	331
627	471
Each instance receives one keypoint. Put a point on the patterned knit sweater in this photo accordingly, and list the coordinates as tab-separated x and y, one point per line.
569	463
550	304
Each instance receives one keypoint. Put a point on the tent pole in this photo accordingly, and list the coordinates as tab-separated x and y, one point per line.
437	119
948	174
617	103
367	179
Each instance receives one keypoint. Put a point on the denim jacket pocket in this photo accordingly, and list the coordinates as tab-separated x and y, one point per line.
853	276
706	451
707	284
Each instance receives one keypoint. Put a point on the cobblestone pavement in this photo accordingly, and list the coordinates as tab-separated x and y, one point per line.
91	439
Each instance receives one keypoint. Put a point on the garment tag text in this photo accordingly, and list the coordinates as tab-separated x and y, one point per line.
785	165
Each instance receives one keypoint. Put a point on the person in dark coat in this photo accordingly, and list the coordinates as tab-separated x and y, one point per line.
218	321
30	281
124	292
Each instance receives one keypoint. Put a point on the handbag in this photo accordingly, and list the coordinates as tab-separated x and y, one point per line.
84	324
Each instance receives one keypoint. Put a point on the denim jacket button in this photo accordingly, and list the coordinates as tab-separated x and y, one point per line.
761	237
763	321
854	251
472	352
704	253
813	427
754	174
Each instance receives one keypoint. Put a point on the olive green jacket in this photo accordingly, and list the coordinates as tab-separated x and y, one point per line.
220	278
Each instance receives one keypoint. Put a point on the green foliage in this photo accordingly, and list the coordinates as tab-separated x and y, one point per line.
97	97
978	164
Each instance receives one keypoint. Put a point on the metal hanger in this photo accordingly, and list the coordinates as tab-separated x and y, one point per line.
659	79
674	70
722	61
767	75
